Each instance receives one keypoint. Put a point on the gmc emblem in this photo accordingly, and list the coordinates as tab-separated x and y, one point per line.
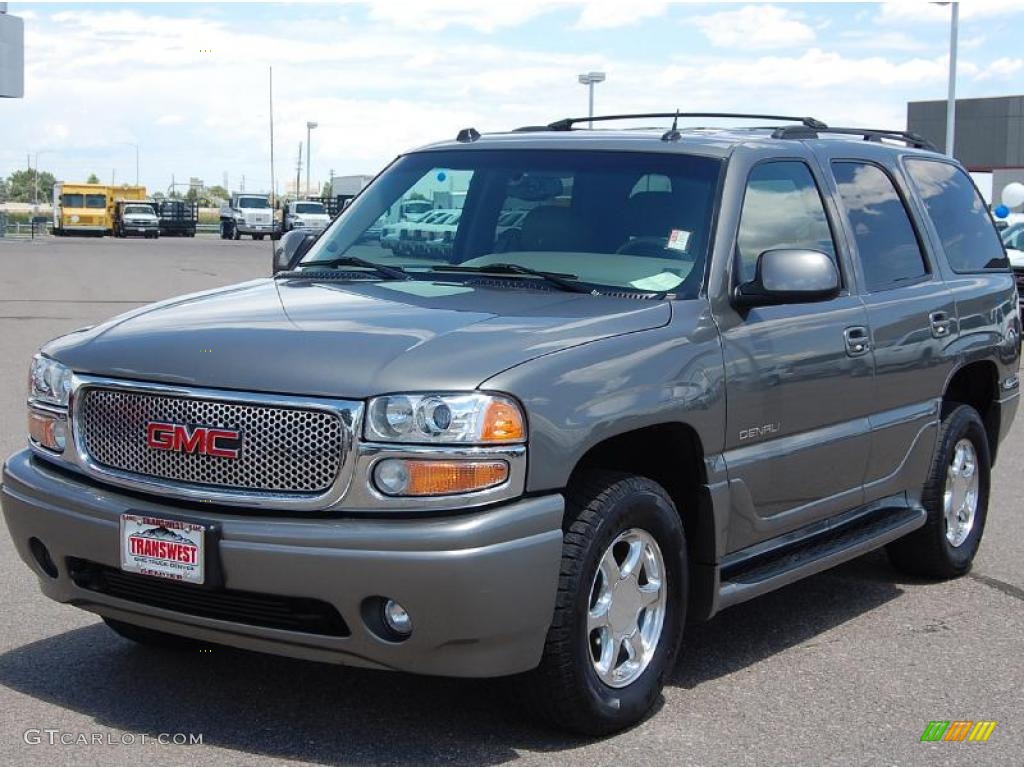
164	436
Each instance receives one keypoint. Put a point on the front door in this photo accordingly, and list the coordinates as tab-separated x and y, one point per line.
798	376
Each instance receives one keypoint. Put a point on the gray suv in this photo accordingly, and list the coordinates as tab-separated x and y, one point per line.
696	365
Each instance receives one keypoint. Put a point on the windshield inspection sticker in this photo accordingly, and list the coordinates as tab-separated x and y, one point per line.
678	240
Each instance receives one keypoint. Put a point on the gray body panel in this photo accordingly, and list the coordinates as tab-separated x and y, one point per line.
794	433
499	567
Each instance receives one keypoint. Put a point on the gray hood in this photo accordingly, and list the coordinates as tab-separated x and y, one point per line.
347	339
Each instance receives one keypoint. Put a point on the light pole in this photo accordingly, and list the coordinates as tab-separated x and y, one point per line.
954	20
310	125
132	144
35	178
590	79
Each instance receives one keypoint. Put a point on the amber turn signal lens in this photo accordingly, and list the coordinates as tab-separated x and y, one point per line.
415	477
46	430
503	423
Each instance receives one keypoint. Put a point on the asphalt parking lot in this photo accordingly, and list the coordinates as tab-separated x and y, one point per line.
846	667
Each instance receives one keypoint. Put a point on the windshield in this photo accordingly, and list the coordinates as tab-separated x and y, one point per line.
144	210
73	200
309	208
253	202
618	219
95	201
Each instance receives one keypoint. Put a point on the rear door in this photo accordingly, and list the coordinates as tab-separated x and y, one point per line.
798	387
911	317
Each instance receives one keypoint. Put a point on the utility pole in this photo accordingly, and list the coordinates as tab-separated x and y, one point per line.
242	188
298	172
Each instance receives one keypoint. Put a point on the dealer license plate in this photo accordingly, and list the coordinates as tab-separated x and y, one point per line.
170	549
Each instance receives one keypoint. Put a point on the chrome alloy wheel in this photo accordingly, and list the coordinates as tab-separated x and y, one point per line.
627	608
960	500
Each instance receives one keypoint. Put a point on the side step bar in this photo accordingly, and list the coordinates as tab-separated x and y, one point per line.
747	577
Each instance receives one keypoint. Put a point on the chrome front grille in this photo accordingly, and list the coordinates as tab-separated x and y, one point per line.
284	450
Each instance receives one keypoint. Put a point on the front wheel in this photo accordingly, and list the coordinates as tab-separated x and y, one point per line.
956	499
620	607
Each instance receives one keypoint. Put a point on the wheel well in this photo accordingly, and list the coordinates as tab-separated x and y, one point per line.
671	455
976	385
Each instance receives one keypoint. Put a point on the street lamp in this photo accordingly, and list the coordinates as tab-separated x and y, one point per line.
954	23
310	125
590	79
132	144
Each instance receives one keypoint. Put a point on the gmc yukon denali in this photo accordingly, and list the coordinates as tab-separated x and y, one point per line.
700	365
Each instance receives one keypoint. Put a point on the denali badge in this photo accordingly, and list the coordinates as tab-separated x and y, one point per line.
224	443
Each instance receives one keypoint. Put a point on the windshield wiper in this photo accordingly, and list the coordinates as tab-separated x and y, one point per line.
558	279
395	273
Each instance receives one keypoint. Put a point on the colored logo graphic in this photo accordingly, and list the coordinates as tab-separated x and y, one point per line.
958	730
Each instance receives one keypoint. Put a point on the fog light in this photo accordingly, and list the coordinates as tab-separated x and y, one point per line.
392	476
397	618
47	429
427	477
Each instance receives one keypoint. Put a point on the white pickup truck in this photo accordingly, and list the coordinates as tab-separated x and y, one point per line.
248	214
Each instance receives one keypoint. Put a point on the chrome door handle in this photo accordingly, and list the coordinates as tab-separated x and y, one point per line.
858	341
940	324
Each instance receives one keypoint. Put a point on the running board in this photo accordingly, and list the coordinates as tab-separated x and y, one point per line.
746	577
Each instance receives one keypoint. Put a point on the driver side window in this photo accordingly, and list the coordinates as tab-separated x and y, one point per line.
782	208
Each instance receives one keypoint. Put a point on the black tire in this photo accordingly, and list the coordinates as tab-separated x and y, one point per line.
235	234
927	551
150	637
257	237
564	690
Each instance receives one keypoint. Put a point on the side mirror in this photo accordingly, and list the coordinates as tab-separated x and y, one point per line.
789	276
290	248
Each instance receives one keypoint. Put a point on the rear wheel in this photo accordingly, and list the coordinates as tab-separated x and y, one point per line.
150	637
619	610
956	498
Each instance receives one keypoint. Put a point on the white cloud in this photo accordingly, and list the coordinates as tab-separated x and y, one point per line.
378	88
755	26
607	14
474	14
1001	68
917	11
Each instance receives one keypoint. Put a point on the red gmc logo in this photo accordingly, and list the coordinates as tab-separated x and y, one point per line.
164	436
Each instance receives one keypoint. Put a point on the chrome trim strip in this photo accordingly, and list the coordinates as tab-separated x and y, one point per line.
363	497
350	413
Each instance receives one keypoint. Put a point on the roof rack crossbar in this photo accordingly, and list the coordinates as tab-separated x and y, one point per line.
566	124
868	134
909	138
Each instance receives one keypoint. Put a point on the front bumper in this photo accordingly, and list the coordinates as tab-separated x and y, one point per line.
480	586
255	229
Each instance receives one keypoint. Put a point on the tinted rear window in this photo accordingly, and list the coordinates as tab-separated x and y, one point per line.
959	215
886	242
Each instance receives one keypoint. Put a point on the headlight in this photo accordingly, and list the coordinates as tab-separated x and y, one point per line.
49	381
473	417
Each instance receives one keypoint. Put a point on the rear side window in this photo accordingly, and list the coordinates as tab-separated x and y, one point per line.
782	208
886	242
959	215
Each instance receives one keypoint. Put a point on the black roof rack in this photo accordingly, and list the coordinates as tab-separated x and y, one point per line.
566	124
868	134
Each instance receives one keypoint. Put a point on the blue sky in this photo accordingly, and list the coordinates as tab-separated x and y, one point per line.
187	82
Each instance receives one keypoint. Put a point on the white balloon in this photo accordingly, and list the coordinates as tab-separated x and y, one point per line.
1013	194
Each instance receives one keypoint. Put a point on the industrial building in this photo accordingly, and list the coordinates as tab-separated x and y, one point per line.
989	135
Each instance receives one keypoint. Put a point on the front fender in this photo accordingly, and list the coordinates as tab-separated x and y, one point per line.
578	397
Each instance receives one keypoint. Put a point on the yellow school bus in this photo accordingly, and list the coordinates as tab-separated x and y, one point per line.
83	209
